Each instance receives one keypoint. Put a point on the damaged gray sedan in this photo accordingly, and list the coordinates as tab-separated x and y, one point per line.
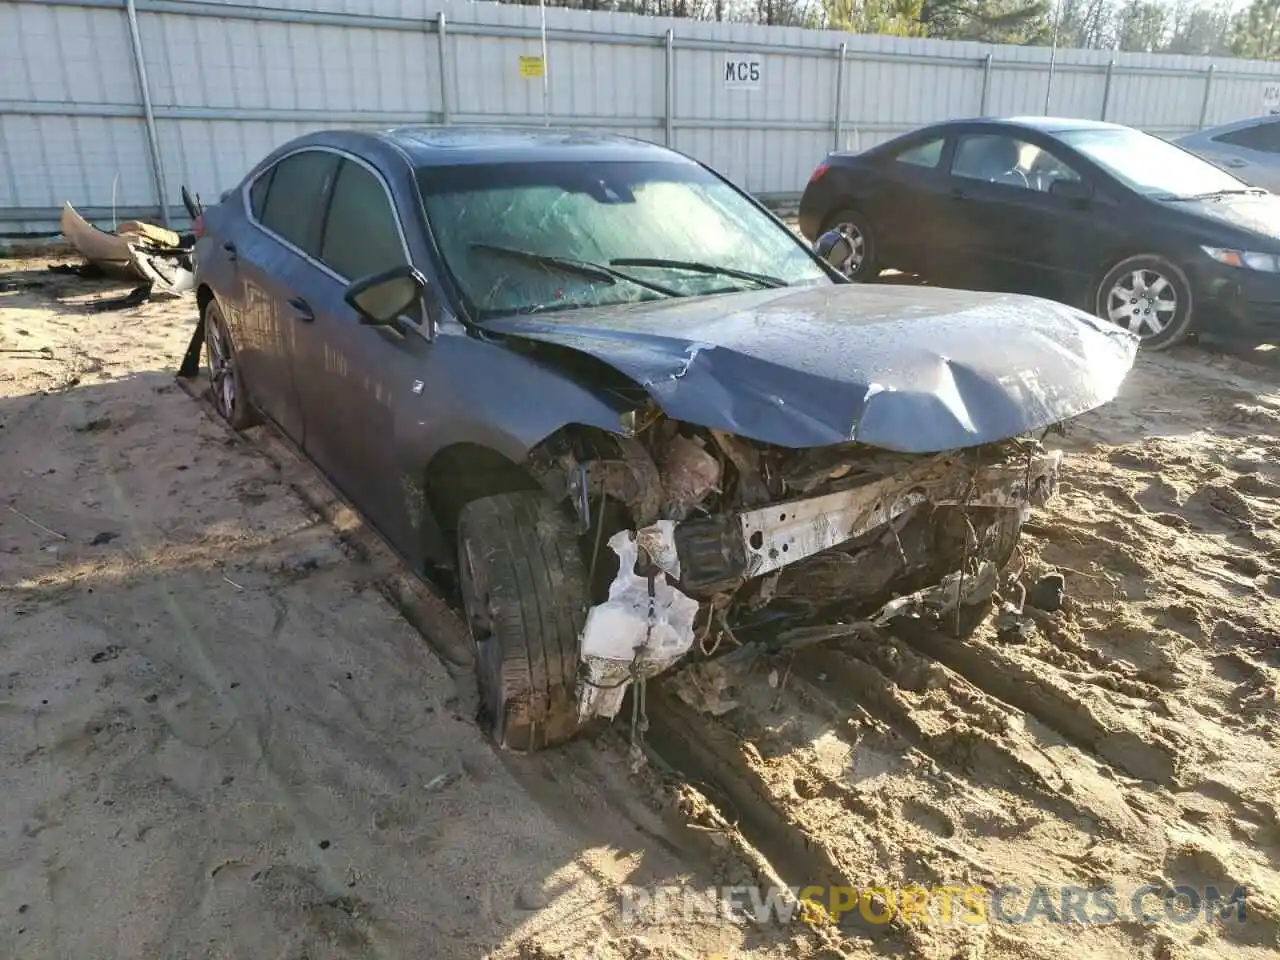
618	406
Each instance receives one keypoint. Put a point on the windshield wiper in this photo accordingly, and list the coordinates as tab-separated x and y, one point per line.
594	271
1219	194
708	268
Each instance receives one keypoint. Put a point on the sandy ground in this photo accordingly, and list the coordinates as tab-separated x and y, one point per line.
223	739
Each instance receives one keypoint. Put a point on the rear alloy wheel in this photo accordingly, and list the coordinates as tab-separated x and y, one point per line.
225	382
1149	296
858	255
525	591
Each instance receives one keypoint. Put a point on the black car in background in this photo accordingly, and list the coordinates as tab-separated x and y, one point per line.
1096	215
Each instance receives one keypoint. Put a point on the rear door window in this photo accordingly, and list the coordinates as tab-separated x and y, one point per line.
1264	137
362	233
295	200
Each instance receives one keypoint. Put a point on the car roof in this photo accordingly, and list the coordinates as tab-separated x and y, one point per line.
441	145
1049	125
1059	124
1256	121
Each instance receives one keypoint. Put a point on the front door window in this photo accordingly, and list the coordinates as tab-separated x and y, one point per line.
999	158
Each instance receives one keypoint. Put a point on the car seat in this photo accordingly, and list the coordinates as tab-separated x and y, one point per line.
1001	161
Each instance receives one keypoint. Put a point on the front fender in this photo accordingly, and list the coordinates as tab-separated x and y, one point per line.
480	393
487	394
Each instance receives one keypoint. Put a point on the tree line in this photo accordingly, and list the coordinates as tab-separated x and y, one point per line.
1198	27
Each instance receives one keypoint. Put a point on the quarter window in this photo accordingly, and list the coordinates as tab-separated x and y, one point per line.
296	196
923	154
361	236
258	192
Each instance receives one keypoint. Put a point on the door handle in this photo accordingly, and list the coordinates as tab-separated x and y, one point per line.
1235	162
230	248
302	310
959	194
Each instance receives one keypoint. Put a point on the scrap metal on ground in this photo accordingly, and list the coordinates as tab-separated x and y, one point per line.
159	258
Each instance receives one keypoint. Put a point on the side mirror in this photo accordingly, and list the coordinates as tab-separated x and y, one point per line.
380	299
834	247
1077	191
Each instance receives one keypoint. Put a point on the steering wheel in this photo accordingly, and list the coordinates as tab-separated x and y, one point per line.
1021	176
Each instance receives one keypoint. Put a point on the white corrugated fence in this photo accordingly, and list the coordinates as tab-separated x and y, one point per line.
114	104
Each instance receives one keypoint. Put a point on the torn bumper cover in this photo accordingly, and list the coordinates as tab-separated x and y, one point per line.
644	628
647	624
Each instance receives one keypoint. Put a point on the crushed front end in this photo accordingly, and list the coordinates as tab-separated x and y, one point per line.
724	539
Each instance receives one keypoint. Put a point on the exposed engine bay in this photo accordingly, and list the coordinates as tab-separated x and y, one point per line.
718	538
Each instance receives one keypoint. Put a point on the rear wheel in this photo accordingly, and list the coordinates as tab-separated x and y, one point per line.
525	591
857	257
225	381
1149	296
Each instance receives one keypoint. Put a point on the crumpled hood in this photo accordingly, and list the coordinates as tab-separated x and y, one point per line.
912	369
1258	214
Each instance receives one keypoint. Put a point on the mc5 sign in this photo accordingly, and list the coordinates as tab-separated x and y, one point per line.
742	73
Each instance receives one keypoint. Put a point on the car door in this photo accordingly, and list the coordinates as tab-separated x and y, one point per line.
1012	229
272	259
348	373
905	213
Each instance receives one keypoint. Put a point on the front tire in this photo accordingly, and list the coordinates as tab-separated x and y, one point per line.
1149	296
225	381
861	265
525	591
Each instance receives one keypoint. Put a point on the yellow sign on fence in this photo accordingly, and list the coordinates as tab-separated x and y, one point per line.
532	67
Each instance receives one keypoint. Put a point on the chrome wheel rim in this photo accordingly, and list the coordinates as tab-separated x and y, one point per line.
222	379
1143	301
857	249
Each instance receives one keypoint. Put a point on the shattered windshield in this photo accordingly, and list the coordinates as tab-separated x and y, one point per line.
542	236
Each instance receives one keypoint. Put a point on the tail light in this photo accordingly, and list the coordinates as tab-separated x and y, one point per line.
817	174
197	226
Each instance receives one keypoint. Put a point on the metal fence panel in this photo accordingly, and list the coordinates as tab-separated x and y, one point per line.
228	80
1159	103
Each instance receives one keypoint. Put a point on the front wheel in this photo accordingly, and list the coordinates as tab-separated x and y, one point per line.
1149	296
525	590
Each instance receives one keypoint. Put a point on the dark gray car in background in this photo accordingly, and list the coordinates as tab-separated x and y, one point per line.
616	404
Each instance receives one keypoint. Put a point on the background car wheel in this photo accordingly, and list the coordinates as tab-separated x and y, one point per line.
1150	296
225	382
525	591
860	263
